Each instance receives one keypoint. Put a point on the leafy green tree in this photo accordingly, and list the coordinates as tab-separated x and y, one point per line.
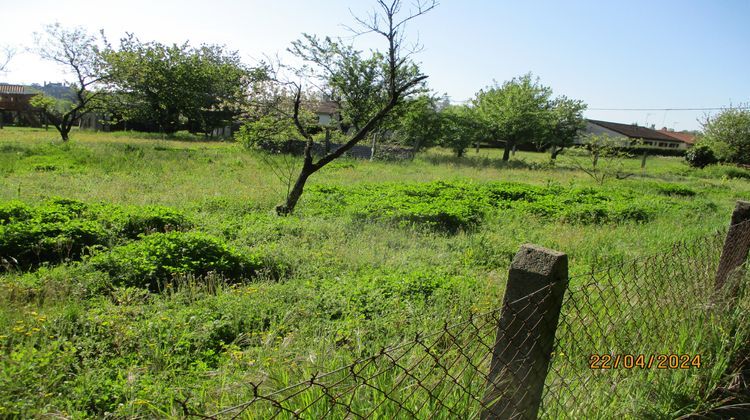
345	77
565	122
416	123
80	55
178	86
700	156
516	112
460	128
728	134
367	100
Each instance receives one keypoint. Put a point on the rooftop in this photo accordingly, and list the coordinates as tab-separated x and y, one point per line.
680	135
634	131
16	89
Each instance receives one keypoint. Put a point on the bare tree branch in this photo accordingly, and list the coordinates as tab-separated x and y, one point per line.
400	78
6	54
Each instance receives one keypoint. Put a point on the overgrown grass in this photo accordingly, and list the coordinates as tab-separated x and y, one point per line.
376	252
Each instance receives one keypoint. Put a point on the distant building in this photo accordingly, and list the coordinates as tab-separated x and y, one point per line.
628	135
56	90
327	112
16	97
15	105
685	136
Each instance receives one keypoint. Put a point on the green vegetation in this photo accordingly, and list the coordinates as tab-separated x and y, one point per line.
727	134
156	259
162	272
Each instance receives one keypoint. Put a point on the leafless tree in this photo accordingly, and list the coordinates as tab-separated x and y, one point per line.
6	54
400	79
78	53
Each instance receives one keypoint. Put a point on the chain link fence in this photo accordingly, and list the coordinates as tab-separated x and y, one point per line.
606	343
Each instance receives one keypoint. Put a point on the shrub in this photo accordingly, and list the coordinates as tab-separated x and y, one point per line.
13	211
153	219
700	156
268	133
58	230
674	189
452	206
155	259
737	173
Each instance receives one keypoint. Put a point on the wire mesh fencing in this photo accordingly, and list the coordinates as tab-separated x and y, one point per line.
443	374
595	345
632	331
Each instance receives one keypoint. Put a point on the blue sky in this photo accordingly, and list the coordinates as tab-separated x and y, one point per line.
627	54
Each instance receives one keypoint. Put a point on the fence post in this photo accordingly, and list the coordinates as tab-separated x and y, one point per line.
736	244
537	281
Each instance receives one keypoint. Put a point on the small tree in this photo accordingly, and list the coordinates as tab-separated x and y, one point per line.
79	54
460	128
6	54
700	156
417	123
728	135
177	86
516	112
566	121
601	158
370	99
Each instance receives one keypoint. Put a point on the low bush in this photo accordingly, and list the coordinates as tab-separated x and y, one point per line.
674	189
737	173
14	211
700	156
454	206
156	259
55	231
61	229
152	219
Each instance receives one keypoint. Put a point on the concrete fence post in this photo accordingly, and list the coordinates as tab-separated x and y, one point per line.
736	244
537	281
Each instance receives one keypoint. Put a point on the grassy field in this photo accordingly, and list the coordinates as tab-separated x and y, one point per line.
98	318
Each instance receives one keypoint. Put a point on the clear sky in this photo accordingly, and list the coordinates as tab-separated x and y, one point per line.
625	54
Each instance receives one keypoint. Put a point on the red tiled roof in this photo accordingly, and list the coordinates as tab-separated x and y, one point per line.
682	136
634	131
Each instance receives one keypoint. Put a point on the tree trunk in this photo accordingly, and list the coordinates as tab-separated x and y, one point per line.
506	153
643	160
65	133
291	199
556	151
374	145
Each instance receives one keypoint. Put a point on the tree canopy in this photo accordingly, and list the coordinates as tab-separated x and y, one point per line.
366	88
728	135
522	110
79	54
179	86
516	111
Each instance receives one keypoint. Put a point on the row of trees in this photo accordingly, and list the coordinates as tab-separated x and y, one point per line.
149	85
379	94
520	111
